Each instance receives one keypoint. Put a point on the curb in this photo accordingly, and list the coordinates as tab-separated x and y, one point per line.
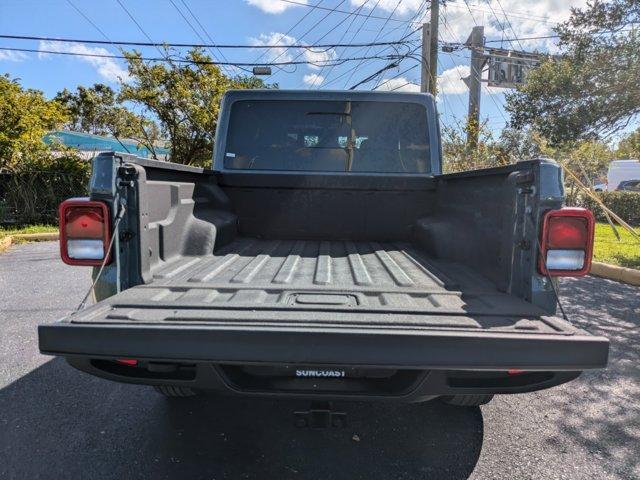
37	237
613	272
6	242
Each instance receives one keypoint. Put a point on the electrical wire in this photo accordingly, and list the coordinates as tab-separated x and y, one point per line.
285	48
374	39
336	10
319	63
320	75
226	68
200	45
205	31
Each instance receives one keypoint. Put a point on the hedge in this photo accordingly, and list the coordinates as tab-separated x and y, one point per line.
33	197
624	204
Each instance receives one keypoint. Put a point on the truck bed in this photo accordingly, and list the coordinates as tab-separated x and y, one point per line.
331	303
300	281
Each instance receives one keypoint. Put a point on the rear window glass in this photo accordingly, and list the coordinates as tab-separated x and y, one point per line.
328	136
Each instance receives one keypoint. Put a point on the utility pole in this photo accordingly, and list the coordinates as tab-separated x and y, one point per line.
425	84
476	43
433	47
429	64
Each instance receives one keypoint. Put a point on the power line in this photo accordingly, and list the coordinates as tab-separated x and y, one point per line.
508	23
393	64
138	25
422	6
344	34
396	76
199	45
522	15
319	63
204	30
375	38
184	17
364	22
374	75
285	48
88	20
346	12
352	69
300	20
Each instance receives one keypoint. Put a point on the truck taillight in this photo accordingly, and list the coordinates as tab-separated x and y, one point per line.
84	232
567	242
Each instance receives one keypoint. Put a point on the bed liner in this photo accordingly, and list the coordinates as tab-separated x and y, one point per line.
259	280
314	302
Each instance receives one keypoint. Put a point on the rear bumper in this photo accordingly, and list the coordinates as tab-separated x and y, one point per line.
426	349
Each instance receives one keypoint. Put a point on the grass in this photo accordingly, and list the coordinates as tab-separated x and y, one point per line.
608	249
4	231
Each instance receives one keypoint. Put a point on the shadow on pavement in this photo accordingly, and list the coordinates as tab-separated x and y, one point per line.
56	422
602	412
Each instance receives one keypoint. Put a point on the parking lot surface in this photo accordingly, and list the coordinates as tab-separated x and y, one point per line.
56	422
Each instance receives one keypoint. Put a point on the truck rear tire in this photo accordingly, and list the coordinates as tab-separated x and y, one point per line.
173	392
466	400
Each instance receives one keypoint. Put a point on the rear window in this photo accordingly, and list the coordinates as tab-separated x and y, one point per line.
328	136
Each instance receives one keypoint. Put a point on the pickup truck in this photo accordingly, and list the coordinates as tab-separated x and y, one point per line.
325	256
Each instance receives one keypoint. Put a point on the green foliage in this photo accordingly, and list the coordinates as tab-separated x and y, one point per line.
608	249
588	159
185	100
629	146
31	193
592	88
511	146
96	110
25	117
624	204
34	177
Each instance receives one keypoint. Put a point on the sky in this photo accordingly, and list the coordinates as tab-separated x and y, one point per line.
279	23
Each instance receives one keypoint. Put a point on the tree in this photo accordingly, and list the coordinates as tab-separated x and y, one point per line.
97	110
184	97
592	88
510	147
588	159
629	146
25	117
36	177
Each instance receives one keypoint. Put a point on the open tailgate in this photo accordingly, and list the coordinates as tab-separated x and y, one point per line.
185	323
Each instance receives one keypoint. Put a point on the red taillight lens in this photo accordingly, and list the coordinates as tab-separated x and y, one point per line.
84	222
567	232
84	232
567	242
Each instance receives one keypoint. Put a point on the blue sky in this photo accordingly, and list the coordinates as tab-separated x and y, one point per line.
273	22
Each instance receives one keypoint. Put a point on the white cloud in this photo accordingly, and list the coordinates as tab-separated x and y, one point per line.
282	54
107	68
501	18
450	81
313	79
406	6
399	84
11	56
318	57
273	6
507	19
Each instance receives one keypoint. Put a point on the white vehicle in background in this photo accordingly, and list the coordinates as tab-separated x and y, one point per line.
621	170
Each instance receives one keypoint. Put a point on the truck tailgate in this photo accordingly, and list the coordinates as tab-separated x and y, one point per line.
309	302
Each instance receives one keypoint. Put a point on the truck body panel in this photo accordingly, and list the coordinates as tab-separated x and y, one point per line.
414	273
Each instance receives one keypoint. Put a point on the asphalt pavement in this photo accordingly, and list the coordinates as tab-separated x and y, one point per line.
59	423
